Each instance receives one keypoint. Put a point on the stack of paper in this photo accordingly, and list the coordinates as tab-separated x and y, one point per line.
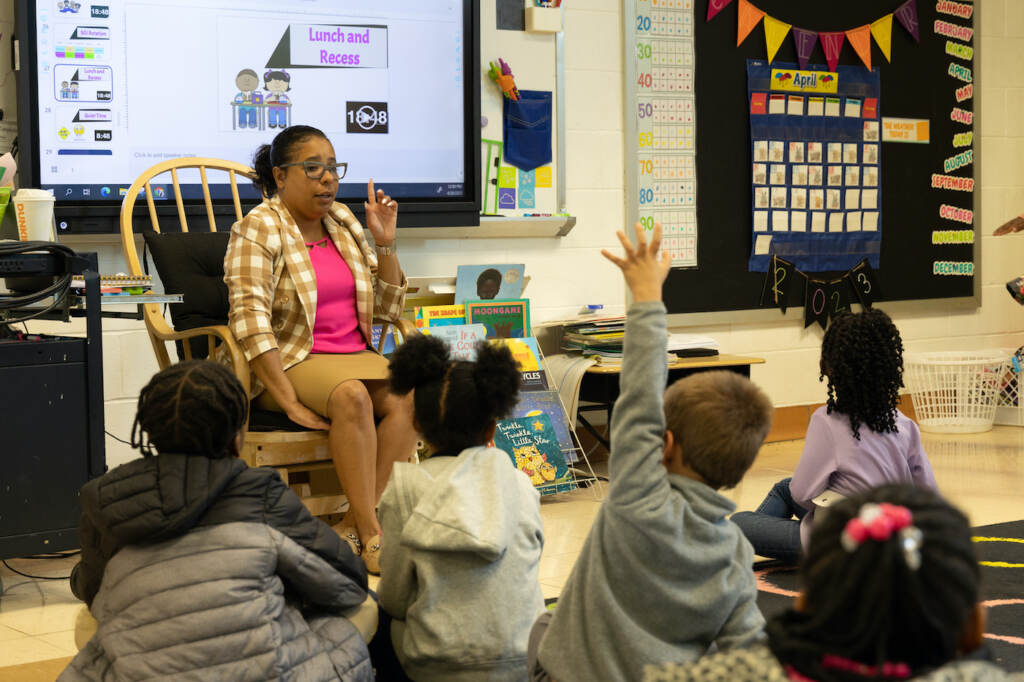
602	337
692	345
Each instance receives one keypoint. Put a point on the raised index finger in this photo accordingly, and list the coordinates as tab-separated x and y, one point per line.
371	196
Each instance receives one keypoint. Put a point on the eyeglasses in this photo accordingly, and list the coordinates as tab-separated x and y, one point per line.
315	170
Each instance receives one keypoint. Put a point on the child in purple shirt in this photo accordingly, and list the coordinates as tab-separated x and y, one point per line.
857	441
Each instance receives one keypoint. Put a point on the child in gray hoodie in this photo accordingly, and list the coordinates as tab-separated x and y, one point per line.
459	573
664	574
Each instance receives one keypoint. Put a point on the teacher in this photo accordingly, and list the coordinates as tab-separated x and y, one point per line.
304	285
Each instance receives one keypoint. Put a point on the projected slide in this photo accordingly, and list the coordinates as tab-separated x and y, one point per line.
136	82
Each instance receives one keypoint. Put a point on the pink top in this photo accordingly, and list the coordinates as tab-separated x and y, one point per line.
336	324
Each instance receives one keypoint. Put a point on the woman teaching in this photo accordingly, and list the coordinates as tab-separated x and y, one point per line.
304	285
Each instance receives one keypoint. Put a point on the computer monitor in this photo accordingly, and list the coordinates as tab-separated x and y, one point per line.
108	88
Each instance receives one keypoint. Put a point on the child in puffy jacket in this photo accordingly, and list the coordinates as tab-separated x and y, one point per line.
195	565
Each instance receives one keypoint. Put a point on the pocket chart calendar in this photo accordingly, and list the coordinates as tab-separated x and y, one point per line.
816	171
664	165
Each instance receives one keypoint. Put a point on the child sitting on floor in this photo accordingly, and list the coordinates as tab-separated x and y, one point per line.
459	572
890	592
857	441
198	567
663	574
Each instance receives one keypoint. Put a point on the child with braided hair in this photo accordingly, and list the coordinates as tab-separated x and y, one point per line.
857	440
890	589
195	565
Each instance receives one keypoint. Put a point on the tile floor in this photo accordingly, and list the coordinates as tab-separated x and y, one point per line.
983	473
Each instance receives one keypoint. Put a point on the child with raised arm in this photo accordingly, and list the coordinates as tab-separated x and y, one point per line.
663	574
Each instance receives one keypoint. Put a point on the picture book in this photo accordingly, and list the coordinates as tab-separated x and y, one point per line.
389	340
527	354
461	338
489	282
439	315
533	403
506	319
533	446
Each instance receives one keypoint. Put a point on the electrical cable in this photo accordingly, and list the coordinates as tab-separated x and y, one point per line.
34	577
59	290
119	440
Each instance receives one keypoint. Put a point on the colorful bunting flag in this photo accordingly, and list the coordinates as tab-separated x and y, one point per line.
805	41
774	33
860	39
749	17
716	6
832	44
881	30
907	15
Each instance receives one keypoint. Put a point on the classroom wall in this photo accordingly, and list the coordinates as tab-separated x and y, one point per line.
790	374
569	272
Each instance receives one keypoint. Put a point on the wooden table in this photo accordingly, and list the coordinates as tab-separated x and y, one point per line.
600	385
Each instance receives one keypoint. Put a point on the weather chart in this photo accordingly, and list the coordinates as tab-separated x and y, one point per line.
665	159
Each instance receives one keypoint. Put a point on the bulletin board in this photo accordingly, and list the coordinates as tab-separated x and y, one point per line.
917	229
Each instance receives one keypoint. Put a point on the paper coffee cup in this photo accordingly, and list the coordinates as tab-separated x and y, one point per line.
33	211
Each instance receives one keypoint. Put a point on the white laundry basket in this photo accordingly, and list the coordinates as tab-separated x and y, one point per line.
1010	409
956	391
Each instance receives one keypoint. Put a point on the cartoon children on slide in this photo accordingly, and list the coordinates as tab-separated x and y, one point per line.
248	100
276	84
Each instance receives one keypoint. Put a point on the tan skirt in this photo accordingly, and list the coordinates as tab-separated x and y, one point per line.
316	377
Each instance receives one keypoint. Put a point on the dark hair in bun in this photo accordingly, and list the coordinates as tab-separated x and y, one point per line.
277	153
456	402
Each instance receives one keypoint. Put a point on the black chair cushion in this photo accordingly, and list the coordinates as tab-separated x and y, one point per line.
192	264
271	420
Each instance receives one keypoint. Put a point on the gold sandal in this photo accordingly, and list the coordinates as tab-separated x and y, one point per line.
349	535
372	555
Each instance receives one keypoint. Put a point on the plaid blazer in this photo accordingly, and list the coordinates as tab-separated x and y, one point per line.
272	284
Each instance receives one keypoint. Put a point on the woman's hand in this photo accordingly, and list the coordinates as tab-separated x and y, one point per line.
381	215
645	273
303	416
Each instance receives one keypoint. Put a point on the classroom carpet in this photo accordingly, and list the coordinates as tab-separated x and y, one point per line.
1000	550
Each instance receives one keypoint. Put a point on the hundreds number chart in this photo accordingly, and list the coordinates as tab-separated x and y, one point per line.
661	110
